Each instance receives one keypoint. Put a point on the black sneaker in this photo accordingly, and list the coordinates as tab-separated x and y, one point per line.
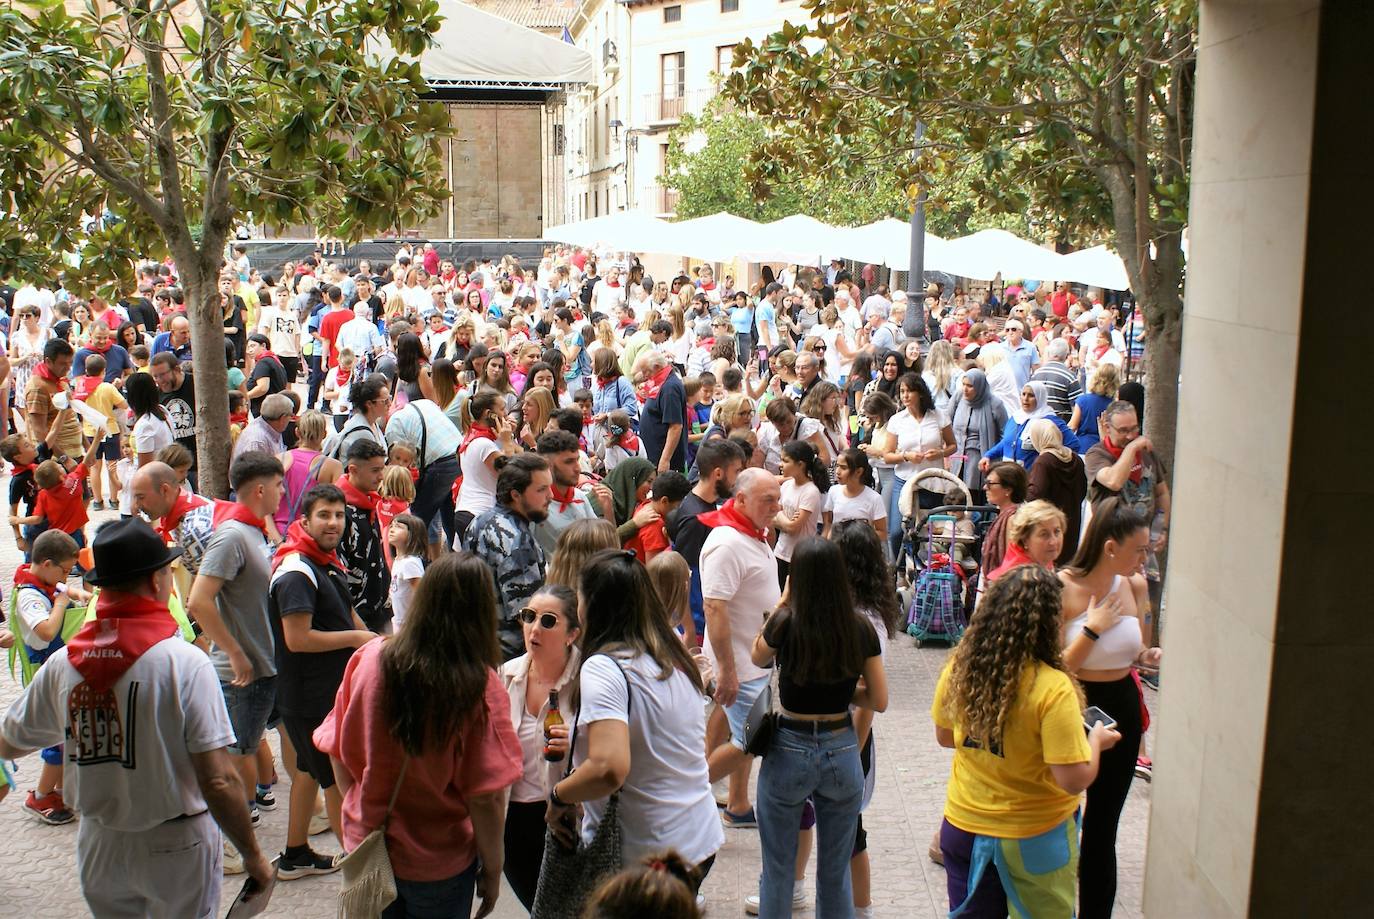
253	816
308	863
265	800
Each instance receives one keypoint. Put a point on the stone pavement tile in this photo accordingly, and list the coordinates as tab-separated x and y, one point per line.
37	862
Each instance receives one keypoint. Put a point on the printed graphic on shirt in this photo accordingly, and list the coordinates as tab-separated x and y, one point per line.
95	732
182	416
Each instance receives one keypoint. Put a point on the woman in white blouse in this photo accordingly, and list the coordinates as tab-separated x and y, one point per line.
924	440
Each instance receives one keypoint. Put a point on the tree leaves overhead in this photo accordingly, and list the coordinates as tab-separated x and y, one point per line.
147	111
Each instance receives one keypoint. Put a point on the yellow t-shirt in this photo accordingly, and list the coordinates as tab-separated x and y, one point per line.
1011	793
103	399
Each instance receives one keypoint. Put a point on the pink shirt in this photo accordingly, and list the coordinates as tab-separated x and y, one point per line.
430	837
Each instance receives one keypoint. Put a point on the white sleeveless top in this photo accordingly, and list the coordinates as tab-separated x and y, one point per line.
1116	648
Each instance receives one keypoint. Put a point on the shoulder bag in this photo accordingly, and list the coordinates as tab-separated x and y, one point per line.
567	877
761	723
368	883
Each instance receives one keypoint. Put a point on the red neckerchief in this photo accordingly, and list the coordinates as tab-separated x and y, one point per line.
91	347
180	506
85	385
727	516
629	442
44	372
476	432
1014	558
342	376
23	577
355	498
299	542
123	630
21	468
443	327
565	499
266	353
239	418
649	389
232	510
1137	467
1102	346
603	382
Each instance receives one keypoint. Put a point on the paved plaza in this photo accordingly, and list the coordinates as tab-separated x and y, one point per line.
38	863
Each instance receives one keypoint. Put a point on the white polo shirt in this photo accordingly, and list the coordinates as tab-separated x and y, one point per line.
741	571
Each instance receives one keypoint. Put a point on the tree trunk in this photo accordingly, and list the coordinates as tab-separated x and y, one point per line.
200	277
1162	347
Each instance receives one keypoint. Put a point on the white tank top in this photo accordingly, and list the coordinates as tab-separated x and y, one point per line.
1116	648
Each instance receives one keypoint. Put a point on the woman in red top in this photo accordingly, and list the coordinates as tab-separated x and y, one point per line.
429	701
1035	536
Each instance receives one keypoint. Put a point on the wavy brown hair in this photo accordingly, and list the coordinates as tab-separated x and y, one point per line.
579	541
1016	625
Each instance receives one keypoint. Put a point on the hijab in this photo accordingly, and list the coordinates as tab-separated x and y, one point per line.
885	385
624	481
1042	409
981	413
1045	438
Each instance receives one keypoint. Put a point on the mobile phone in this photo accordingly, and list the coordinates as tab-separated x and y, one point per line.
253	898
1093	716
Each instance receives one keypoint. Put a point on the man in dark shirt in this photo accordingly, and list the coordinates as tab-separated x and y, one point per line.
719	461
361	548
663	414
268	376
179	400
316	632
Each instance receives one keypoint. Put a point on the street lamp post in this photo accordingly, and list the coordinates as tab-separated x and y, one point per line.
915	324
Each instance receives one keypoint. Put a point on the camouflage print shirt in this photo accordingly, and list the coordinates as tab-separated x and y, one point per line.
506	542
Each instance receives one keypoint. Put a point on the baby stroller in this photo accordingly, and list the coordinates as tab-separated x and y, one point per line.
939	559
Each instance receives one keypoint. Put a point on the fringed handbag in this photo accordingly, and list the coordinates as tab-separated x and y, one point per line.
368	883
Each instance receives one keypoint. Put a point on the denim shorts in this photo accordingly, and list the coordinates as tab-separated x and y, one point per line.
250	707
738	711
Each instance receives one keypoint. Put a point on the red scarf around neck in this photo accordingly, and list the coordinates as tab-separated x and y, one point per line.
232	510
124	628
565	498
299	542
21	468
650	388
476	432
24	577
1137	467
44	372
363	501
728	516
99	349
1103	345
342	375
629	442
180	506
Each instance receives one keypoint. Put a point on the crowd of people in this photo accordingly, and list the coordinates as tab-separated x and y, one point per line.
515	554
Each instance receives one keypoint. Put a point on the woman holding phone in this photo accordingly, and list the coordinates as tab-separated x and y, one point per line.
1009	709
1105	601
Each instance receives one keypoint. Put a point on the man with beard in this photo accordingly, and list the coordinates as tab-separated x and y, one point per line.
567	502
178	398
360	550
719	461
316	632
504	538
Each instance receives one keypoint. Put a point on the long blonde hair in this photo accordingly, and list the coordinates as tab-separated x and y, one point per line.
940	365
580	541
671	576
1015	627
544	400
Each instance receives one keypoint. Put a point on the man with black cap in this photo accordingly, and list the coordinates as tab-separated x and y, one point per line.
146	734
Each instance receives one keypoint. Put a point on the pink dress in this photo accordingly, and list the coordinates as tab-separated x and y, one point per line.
304	472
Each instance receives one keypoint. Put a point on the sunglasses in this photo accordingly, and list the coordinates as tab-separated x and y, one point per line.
547	621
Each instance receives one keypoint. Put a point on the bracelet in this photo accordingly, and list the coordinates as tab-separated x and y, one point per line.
1090	633
554	799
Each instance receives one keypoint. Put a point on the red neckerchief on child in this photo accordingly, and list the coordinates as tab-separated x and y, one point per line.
299	542
124	628
232	510
85	385
727	516
1137	468
629	442
342	375
649	389
24	577
44	372
17	469
565	498
362	501
476	432
180	506
1102	346
239	418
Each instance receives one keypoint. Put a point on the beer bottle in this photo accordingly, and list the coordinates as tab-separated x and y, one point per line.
552	720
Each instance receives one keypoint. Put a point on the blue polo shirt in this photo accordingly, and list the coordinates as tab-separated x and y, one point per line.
117	361
1023	359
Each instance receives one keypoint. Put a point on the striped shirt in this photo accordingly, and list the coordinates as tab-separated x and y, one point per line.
1063	387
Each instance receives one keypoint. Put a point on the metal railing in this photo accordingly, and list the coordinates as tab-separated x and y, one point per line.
668	107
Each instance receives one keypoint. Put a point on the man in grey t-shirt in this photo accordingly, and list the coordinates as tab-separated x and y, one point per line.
229	601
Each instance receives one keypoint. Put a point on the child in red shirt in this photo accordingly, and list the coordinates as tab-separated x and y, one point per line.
61	502
666	493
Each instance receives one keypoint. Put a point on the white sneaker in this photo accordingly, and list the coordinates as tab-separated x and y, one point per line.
319	823
701	904
799	901
233	861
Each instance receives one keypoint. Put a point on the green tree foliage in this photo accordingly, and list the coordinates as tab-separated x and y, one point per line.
1079	111
172	118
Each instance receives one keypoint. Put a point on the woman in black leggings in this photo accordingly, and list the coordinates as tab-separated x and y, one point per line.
1105	601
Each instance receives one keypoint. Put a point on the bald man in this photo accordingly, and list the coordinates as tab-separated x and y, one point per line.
180	517
177	338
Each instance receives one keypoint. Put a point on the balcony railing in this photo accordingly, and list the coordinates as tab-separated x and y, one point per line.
657	200
660	108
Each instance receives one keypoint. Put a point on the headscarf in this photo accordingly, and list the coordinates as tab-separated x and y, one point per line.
979	414
1045	438
1134	393
886	386
624	481
1042	403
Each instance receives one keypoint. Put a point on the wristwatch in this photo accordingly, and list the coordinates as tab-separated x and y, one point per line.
554	799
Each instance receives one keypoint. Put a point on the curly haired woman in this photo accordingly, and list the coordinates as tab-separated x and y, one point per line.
1014	718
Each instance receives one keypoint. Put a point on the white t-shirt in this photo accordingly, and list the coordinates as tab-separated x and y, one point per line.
918	437
743	572
283	330
124	471
128	762
770	442
151	434
34	610
797	498
404	569
867	505
666	800
478	493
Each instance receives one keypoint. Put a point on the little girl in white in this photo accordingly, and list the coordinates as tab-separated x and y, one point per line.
409	541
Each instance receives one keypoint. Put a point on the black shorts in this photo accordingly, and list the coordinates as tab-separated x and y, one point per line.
109	449
309	759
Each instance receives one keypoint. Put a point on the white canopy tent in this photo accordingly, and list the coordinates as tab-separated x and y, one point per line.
624	231
886	242
988	253
1096	267
474	48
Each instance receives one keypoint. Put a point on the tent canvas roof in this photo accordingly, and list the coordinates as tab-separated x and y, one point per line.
474	48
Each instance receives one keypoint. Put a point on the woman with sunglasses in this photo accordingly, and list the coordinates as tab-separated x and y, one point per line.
551	657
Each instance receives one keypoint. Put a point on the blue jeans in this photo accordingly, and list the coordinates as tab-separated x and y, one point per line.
894	515
446	899
824	767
